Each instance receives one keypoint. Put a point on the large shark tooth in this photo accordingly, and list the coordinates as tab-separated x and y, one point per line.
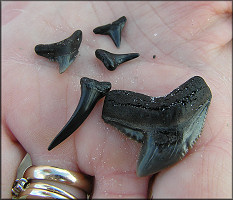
112	61
166	126
113	30
63	52
91	92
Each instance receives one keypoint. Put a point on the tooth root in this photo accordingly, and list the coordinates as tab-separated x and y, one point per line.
63	52
113	30
112	61
91	92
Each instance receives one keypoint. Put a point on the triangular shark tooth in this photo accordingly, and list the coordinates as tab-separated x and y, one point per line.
166	126
112	61
113	30
63	52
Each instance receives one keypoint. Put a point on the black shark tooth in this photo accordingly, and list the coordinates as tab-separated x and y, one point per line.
166	126
63	52
91	92
111	61
113	30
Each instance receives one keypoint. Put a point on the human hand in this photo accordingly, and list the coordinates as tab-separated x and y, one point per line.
188	38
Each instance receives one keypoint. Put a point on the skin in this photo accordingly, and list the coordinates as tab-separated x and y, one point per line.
188	38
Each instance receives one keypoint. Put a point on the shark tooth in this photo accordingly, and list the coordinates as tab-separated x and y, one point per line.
91	92
63	52
113	30
166	126
112	61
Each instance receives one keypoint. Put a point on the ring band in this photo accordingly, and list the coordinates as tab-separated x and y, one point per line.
32	192
45	190
24	187
59	175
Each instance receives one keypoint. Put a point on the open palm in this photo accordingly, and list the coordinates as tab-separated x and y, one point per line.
188	38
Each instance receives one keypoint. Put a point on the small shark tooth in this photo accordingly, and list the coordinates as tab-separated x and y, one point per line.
91	92
63	52
111	61
166	126
113	30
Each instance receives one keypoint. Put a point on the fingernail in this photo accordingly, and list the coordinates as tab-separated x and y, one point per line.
112	61
166	126
63	52
91	92
113	30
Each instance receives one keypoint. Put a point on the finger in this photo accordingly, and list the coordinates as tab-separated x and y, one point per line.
35	142
12	155
35	139
111	157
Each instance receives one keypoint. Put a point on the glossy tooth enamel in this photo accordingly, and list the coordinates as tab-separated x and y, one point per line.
166	126
63	52
91	92
113	30
112	61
